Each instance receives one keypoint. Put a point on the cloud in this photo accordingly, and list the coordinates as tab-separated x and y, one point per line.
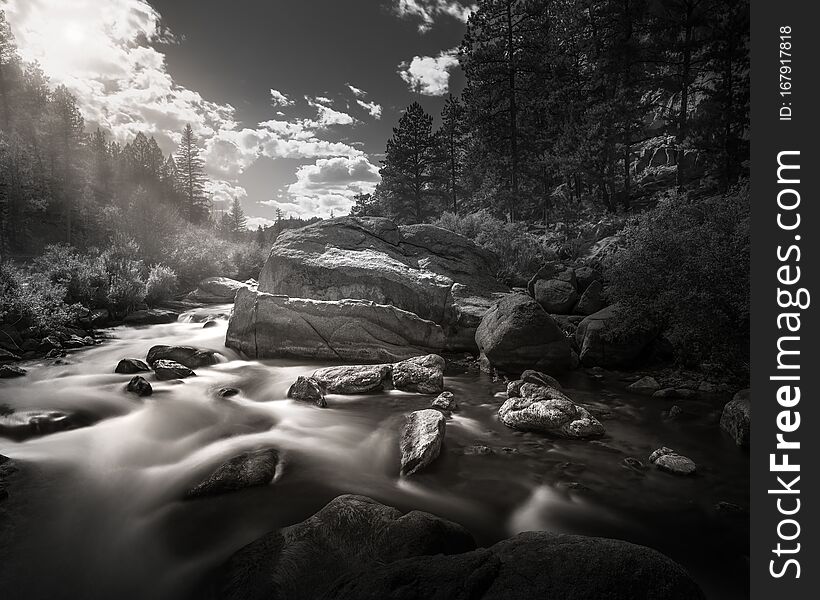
358	92
330	184
279	99
426	11
429	75
373	108
327	116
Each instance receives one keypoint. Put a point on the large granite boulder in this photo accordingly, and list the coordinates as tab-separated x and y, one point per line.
216	289
165	370
544	409
530	565
421	439
421	374
352	379
426	270
351	534
600	348
270	326
517	334
248	469
554	287
191	357
737	416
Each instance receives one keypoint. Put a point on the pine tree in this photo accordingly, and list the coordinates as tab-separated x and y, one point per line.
237	219
453	137
192	178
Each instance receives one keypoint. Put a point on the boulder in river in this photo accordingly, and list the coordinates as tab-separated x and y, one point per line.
646	386
736	418
517	334
216	290
10	371
307	389
600	348
421	440
351	534
139	386
30	423
544	409
670	461
445	401
151	316
269	326
352	379
191	357
249	469
421	374
530	565
554	287
131	365
169	369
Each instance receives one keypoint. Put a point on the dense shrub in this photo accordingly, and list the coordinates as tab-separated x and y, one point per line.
161	284
520	252
33	300
686	267
124	269
83	276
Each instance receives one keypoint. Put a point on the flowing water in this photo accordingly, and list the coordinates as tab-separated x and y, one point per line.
97	512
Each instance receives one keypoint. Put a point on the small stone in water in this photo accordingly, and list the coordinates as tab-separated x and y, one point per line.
228	392
139	386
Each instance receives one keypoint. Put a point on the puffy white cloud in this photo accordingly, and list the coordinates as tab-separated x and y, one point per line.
358	92
429	75
279	99
328	116
330	184
426	11
373	108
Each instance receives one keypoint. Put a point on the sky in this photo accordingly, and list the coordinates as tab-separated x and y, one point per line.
292	100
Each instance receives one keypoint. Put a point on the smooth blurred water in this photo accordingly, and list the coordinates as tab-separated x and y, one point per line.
98	512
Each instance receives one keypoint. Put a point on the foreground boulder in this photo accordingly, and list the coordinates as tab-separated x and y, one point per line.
736	418
307	389
517	334
351	534
216	289
249	469
166	370
352	379
433	273
446	402
670	461
600	348
268	326
554	287
357	549
191	357
544	409
131	365
421	439
533	565
421	374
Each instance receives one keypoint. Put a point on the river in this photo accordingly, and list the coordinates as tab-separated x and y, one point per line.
97	512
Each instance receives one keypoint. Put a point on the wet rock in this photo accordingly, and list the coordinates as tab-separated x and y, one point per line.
9	371
352	379
191	357
421	374
528	566
55	353
51	342
151	316
539	378
209	324
633	464
675	413
445	401
421	440
73	342
554	287
30	423
681	393
131	365
168	369
6	356
670	461
307	389
516	334
478	450
599	347
228	392
249	469
645	385
350	535
544	409
139	386
736	418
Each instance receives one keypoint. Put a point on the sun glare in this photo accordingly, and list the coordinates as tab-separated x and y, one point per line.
73	33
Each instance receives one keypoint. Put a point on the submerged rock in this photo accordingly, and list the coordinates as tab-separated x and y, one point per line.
169	369
249	469
131	365
351	534
421	440
544	409
517	334
736	418
227	392
422	374
670	461
30	423
307	389
191	357
352	379
139	386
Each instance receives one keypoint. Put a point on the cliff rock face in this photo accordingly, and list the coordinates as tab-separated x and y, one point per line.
419	285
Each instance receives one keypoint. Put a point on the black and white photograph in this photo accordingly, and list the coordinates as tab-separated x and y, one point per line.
381	299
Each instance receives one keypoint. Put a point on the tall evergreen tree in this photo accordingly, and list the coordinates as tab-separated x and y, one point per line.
192	178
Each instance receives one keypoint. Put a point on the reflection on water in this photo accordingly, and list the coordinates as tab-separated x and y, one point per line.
98	513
